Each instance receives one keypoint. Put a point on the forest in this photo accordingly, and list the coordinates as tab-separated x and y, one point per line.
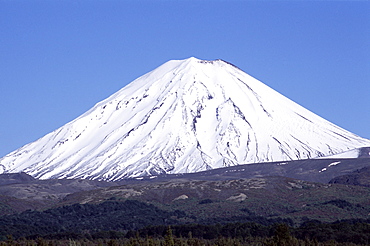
133	222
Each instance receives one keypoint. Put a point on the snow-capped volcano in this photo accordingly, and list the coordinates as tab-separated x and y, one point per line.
185	116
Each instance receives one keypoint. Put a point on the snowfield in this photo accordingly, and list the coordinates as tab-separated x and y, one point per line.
185	116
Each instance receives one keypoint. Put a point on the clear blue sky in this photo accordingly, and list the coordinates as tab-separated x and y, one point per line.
59	58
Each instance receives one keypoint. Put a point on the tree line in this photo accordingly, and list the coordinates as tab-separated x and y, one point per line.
123	222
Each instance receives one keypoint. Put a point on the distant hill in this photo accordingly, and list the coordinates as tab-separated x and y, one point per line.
256	193
133	206
358	177
19	192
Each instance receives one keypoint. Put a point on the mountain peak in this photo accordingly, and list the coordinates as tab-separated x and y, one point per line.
192	60
184	116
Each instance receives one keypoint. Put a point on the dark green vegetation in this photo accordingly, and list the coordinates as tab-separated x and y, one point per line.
311	233
245	210
231	200
230	206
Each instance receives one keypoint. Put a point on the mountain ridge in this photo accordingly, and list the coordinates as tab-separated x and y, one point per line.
185	116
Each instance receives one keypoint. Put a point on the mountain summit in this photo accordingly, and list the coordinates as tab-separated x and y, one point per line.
185	116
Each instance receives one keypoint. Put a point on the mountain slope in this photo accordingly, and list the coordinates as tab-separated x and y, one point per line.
185	116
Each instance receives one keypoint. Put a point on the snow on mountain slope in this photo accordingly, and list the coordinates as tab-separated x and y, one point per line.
185	116
363	152
353	153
